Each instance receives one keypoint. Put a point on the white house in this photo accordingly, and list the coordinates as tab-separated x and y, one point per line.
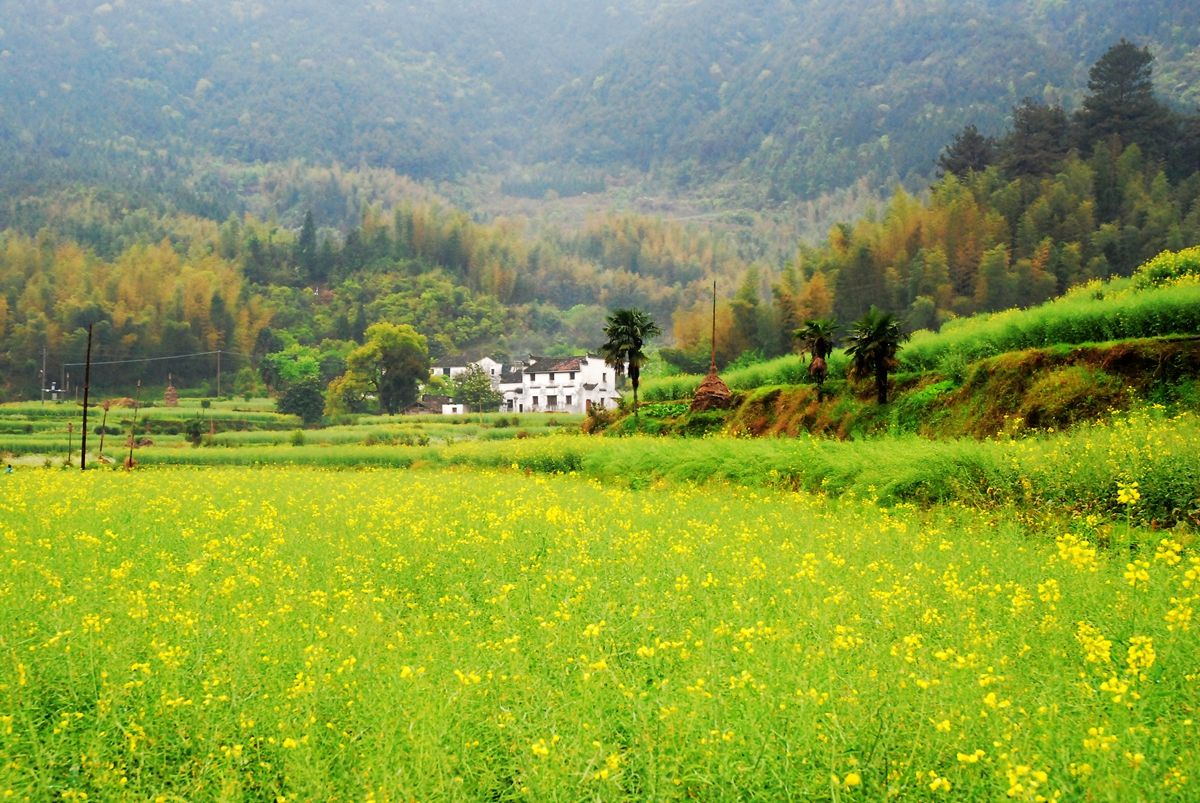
451	367
562	384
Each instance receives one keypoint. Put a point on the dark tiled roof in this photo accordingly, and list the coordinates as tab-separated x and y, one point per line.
554	365
454	361
510	375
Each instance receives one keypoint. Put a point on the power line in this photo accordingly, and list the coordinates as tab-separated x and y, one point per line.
161	359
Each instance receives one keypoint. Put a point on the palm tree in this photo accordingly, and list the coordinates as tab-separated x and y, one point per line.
817	338
627	331
874	341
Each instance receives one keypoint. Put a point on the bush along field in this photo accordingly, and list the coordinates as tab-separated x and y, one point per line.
292	634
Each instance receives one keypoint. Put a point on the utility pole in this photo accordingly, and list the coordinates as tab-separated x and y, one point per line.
133	427
42	379
218	373
87	382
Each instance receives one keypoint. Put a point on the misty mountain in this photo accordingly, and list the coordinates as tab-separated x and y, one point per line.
790	98
809	96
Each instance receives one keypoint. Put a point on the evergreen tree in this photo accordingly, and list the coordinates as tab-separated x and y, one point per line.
1121	102
1038	142
305	253
970	152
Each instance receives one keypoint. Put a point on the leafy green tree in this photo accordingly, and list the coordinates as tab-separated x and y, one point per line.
627	331
391	362
474	388
304	399
293	364
874	341
246	382
346	394
996	287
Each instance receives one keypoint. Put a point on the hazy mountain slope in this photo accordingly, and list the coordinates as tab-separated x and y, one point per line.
425	88
802	97
789	98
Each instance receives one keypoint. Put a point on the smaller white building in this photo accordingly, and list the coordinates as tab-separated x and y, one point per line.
451	367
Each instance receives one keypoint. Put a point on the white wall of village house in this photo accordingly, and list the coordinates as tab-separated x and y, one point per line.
565	391
593	383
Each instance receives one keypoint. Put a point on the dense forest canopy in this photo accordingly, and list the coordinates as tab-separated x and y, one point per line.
783	100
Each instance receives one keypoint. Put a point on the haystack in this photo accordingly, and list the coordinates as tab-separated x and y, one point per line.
713	393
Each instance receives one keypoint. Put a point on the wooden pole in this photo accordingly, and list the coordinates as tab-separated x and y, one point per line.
103	428
133	426
87	382
712	366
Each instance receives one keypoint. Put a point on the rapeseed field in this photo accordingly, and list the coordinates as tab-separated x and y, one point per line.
441	634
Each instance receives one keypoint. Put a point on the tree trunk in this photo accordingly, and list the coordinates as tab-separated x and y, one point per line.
634	376
881	384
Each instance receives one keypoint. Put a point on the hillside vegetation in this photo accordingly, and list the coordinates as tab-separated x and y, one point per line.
782	100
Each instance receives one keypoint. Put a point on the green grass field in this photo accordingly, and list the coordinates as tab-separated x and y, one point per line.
297	633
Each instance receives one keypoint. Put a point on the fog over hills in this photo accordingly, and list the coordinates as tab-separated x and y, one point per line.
784	99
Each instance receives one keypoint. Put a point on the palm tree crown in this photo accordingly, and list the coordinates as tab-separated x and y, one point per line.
817	337
627	331
874	341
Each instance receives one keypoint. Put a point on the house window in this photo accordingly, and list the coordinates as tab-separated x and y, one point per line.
572	376
605	376
551	402
567	401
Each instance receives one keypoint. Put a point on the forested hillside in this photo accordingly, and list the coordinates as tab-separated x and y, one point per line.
179	185
769	100
791	99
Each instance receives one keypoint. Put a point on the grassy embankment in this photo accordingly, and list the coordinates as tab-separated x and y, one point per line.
1102	347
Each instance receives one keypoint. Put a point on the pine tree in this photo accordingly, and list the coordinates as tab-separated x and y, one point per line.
970	152
1122	102
1038	142
305	253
